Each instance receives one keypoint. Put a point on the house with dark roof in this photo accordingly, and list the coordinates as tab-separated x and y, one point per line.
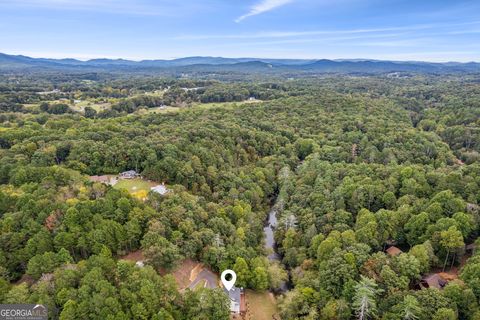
130	174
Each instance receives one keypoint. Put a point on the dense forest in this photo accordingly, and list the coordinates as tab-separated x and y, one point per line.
355	166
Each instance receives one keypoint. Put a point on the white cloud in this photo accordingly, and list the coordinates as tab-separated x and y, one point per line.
263	6
428	28
294	34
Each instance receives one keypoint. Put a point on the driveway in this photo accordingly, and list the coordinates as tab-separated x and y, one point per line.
207	278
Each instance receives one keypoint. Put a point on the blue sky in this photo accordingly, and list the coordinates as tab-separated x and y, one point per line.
429	30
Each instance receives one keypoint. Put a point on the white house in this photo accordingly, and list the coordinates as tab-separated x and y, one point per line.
160	189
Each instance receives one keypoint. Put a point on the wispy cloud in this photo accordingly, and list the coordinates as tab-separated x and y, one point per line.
290	34
437	28
323	40
262	7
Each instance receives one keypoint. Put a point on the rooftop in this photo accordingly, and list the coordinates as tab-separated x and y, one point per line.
394	251
161	189
235	298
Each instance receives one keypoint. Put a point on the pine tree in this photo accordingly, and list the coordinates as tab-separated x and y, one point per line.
364	300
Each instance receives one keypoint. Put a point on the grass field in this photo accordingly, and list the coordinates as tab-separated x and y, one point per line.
100	106
195	106
137	187
160	110
261	305
223	104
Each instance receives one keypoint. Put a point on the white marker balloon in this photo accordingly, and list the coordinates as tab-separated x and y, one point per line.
228	284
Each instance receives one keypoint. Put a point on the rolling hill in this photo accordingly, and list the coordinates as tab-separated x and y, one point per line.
219	64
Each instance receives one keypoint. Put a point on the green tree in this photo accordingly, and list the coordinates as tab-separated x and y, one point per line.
276	275
259	279
471	274
450	240
206	304
17	294
90	112
410	308
161	253
243	272
407	265
444	314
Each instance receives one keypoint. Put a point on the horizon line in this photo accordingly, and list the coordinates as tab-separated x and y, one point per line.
130	59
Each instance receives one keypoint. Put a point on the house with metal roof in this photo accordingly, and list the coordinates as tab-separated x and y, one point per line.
237	300
130	174
160	189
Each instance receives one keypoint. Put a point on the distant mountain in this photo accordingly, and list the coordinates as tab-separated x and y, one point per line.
366	66
218	64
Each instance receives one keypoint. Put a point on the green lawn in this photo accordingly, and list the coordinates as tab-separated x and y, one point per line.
195	106
134	185
166	109
97	106
260	305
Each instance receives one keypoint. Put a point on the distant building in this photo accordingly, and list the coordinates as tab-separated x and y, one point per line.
394	251
130	174
160	189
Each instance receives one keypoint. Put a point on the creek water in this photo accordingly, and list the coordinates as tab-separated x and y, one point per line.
270	244
269	238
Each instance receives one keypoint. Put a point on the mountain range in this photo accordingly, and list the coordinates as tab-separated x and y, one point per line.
218	64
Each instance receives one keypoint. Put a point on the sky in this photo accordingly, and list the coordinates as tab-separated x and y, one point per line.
422	30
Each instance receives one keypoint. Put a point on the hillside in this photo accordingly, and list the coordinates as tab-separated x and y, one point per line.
246	65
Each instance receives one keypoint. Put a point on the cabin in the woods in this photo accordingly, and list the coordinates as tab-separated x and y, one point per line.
437	280
394	251
433	281
130	174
